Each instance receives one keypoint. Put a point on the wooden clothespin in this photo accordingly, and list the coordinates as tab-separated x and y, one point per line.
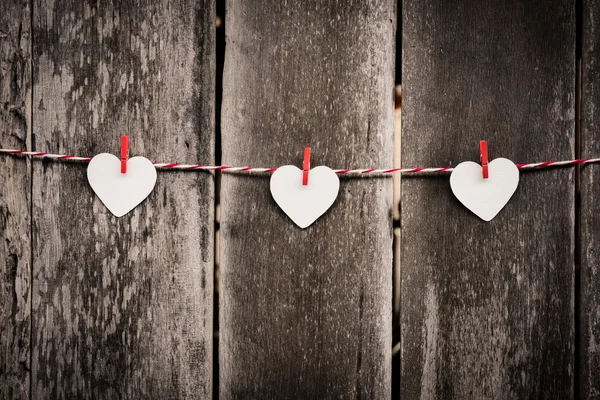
306	166
124	153
483	150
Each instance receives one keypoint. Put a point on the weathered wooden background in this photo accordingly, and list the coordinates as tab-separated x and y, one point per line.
588	379
488	308
92	306
307	313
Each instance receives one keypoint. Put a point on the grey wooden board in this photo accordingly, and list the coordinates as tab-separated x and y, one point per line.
122	308
590	205
15	186
487	308
307	313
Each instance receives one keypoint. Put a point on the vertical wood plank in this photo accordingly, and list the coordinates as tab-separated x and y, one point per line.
487	308
122	308
15	186
590	204
307	313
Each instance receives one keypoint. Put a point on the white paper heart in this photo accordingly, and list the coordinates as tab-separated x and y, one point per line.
304	204
119	192
485	197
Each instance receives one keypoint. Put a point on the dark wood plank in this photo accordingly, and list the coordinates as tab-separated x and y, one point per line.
589	382
487	308
122	308
15	186
307	313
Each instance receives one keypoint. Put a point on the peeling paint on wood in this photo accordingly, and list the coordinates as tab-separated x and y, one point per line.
15	186
589	382
122	308
307	313
487	308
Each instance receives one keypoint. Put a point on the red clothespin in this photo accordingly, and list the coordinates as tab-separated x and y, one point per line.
124	153
484	158
306	166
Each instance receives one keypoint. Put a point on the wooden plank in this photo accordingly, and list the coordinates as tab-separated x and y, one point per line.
396	275
122	308
589	382
487	308
307	313
15	186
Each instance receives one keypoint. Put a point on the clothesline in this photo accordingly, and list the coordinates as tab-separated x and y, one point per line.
229	168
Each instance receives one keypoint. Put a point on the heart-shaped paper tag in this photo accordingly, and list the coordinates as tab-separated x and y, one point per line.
304	203
119	192
485	197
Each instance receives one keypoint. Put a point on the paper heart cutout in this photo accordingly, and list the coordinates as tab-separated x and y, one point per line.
485	197
121	193
304	203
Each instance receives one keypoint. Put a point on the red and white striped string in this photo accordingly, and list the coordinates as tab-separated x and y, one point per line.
228	168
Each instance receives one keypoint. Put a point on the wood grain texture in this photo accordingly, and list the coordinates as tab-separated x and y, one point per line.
15	187
590	204
307	313
122	308
487	308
